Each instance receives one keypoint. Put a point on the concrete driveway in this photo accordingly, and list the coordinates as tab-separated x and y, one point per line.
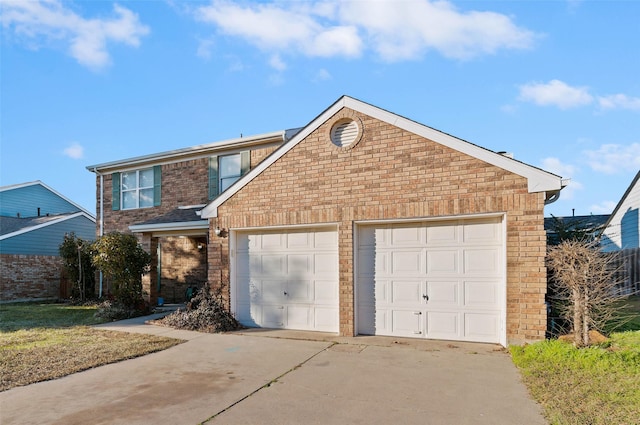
284	377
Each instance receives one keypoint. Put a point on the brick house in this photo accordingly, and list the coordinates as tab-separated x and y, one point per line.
362	222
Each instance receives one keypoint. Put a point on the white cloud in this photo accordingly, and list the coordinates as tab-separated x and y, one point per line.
393	30
277	63
322	75
555	166
74	151
613	158
555	93
619	101
48	21
204	48
604	207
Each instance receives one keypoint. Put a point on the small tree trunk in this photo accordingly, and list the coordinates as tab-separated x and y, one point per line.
577	317
585	319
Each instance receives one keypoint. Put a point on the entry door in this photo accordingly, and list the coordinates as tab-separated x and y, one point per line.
441	280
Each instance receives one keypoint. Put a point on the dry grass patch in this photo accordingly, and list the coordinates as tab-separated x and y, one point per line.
38	342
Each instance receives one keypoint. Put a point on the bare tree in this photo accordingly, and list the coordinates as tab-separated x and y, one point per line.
586	291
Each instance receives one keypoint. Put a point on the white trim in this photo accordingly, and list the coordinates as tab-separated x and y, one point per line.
538	180
329	224
467	217
171	227
193	152
46	224
58	194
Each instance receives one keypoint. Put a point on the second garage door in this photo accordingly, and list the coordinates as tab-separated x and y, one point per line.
441	280
287	279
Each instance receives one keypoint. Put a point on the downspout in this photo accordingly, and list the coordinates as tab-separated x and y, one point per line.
101	221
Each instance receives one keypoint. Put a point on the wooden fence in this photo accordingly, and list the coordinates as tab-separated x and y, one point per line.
627	264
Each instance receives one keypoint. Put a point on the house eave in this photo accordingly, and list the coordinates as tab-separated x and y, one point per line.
182	228
47	224
191	152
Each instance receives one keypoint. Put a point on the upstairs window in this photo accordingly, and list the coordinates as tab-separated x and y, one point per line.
229	170
225	170
136	189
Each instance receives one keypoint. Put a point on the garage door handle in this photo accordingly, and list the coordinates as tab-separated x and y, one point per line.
417	313
285	292
425	297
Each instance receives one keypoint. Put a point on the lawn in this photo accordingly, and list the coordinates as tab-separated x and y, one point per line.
41	341
595	385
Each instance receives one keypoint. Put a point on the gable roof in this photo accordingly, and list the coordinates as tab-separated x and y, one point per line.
623	199
538	179
13	226
56	193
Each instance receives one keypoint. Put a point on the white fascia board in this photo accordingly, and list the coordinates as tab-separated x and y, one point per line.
538	180
170	227
209	148
48	223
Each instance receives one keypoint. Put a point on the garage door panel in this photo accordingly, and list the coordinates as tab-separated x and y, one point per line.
443	325
481	327
273	241
325	319
299	264
482	294
272	316
299	291
299	240
298	316
482	233
269	265
443	293
444	234
406	292
269	291
407	236
326	292
485	262
405	262
325	239
443	261
406	323
325	264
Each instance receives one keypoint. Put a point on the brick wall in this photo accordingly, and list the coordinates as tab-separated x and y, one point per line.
393	174
25	277
183	183
184	264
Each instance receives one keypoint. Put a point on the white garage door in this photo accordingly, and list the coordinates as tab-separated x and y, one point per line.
441	280
287	279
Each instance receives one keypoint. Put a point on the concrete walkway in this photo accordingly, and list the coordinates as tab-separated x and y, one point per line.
284	377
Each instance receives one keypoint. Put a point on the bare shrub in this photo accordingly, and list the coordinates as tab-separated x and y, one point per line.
585	289
204	313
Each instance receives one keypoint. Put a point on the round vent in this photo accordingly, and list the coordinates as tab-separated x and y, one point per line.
344	133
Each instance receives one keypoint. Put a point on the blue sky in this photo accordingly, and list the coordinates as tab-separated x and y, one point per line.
554	82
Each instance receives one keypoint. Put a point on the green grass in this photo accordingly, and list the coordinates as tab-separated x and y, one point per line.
595	385
45	315
42	341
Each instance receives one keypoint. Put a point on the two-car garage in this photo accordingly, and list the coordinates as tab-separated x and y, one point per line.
423	279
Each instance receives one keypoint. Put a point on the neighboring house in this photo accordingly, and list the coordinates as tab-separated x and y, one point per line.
588	226
33	221
362	222
622	231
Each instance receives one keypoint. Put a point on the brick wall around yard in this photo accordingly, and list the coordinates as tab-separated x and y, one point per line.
392	174
30	277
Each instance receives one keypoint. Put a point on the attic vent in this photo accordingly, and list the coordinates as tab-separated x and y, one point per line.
344	133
